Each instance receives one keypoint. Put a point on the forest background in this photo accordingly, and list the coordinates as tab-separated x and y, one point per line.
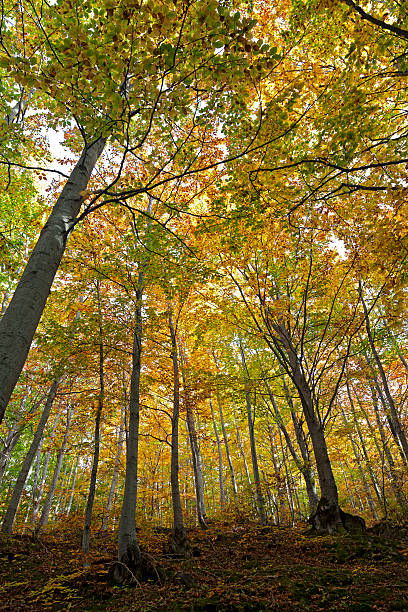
225	333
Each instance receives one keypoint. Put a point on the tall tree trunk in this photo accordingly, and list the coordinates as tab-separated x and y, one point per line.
41	483
302	464
97	435
129	554
363	477
115	475
179	543
129	565
328	517
57	469
395	481
220	466
241	449
287	481
195	450
260	503
367	459
226	445
71	495
72	474
20	321
36	481
7	526
307	470
62	490
281	501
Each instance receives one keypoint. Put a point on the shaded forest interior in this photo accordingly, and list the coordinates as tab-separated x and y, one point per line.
203	281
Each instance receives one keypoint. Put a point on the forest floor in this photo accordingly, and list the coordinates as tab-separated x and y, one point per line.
238	567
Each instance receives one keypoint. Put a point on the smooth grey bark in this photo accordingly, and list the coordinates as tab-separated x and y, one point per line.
10	442
115	474
16	112
7	525
280	503
307	470
57	470
260	502
62	503
71	495
328	487
372	430
303	464
179	543
36	489
287	480
395	482
226	445
41	482
368	461
351	498
62	489
20	321
97	433
128	548
386	408
129	554
390	400
195	450
362	444
241	449
220	465
370	499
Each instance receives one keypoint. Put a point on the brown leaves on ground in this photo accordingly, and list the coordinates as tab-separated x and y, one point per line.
241	567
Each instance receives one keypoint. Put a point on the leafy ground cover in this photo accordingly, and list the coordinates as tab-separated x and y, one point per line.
241	567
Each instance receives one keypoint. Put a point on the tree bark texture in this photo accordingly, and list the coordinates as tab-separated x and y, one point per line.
20	321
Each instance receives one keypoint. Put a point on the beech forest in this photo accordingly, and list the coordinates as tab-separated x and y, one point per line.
203	293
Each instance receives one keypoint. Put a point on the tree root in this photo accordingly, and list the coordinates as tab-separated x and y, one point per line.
329	518
179	544
134	571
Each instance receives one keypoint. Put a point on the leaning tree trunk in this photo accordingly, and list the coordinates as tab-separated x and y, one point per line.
367	459
15	432
179	543
10	442
396	483
36	481
370	499
400	434
303	465
328	517
7	526
307	470
20	321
